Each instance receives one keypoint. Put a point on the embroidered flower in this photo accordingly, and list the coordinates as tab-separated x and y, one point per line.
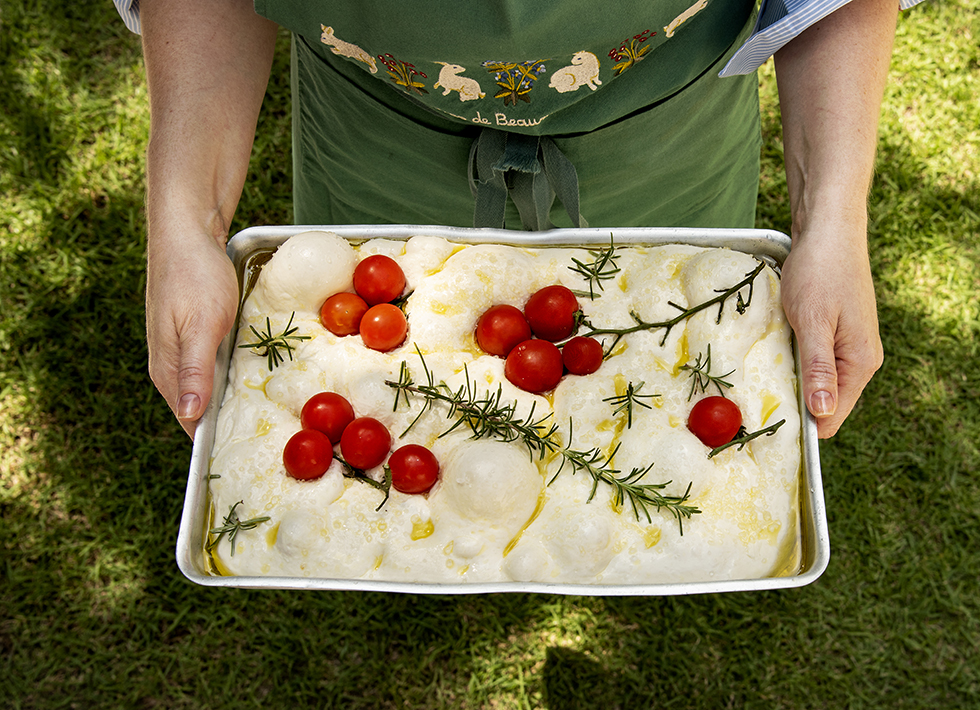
515	79
630	52
403	74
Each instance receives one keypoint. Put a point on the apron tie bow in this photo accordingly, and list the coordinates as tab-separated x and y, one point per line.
531	169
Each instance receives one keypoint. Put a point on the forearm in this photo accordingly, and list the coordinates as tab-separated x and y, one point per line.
831	80
207	67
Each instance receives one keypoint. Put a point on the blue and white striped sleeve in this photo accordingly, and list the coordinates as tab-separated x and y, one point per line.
779	22
129	11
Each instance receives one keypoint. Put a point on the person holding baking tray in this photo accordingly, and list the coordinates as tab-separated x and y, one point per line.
481	114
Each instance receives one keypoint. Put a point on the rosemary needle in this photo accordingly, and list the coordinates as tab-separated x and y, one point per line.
268	345
232	527
741	441
701	377
602	268
625	402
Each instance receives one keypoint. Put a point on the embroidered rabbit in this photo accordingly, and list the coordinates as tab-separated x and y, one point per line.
346	49
449	80
684	16
584	70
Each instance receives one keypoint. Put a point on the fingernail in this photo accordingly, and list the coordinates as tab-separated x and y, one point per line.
187	406
822	404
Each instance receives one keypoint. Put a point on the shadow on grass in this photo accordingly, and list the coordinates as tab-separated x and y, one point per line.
574	681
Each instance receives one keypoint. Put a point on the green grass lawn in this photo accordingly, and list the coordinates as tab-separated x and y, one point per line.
95	614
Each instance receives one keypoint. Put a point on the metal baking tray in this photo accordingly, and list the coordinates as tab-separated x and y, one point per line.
770	245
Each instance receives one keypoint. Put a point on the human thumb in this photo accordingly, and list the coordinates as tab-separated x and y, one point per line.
194	380
819	365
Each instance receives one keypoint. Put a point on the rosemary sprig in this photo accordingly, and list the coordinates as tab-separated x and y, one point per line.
723	295
701	377
359	475
602	268
640	495
232	527
741	439
268	345
487	416
626	401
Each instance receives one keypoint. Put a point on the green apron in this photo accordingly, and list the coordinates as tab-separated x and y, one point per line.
399	107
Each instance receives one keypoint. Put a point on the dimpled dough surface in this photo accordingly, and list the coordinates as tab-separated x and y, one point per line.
498	514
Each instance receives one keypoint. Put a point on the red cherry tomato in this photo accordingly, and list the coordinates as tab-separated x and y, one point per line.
500	328
307	454
341	313
582	355
413	469
551	312
715	421
378	279
329	413
365	443
383	327
534	366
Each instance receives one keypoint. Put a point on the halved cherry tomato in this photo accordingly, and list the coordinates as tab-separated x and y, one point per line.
383	327
307	454
329	413
551	312
715	421
582	355
341	313
534	366
378	279
414	469
365	443
500	328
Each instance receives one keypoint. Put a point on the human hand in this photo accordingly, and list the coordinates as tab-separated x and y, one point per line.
191	302
829	299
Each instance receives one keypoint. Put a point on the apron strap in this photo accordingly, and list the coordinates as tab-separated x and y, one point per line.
531	169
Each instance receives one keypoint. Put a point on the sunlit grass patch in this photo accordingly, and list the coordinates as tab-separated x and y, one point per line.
940	282
935	80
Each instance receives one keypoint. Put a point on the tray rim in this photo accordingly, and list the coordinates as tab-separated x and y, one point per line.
767	243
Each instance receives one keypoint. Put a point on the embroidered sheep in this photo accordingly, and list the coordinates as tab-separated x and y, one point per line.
684	16
346	49
449	80
584	71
